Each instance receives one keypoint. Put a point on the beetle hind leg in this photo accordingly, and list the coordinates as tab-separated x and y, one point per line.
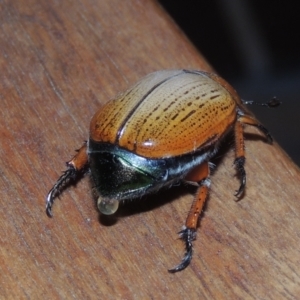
200	176
239	161
249	120
76	165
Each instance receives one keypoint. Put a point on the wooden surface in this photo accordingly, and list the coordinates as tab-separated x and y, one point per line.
59	61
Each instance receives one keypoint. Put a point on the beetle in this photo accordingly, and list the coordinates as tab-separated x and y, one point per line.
163	130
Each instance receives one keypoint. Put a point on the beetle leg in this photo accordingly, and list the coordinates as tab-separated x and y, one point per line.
249	120
199	175
74	167
239	161
240	155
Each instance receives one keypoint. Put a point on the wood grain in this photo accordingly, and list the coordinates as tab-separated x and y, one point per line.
59	61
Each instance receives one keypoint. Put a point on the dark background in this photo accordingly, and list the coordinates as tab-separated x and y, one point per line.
255	46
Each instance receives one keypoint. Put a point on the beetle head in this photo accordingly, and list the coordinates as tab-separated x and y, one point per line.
116	179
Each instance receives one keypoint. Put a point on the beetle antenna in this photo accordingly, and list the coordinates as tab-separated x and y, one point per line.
274	102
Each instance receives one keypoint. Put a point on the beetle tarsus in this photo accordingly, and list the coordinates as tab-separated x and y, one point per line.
274	102
69	174
188	235
266	132
239	163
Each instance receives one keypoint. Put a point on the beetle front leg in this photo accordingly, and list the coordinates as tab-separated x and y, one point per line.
74	167
200	176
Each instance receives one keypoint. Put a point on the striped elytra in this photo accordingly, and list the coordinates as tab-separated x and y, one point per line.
168	113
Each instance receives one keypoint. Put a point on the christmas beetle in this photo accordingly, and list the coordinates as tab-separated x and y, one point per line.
163	130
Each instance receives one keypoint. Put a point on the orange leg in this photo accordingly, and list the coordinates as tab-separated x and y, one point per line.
76	165
198	175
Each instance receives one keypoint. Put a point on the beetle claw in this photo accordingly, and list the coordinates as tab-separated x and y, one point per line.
49	208
69	174
187	235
